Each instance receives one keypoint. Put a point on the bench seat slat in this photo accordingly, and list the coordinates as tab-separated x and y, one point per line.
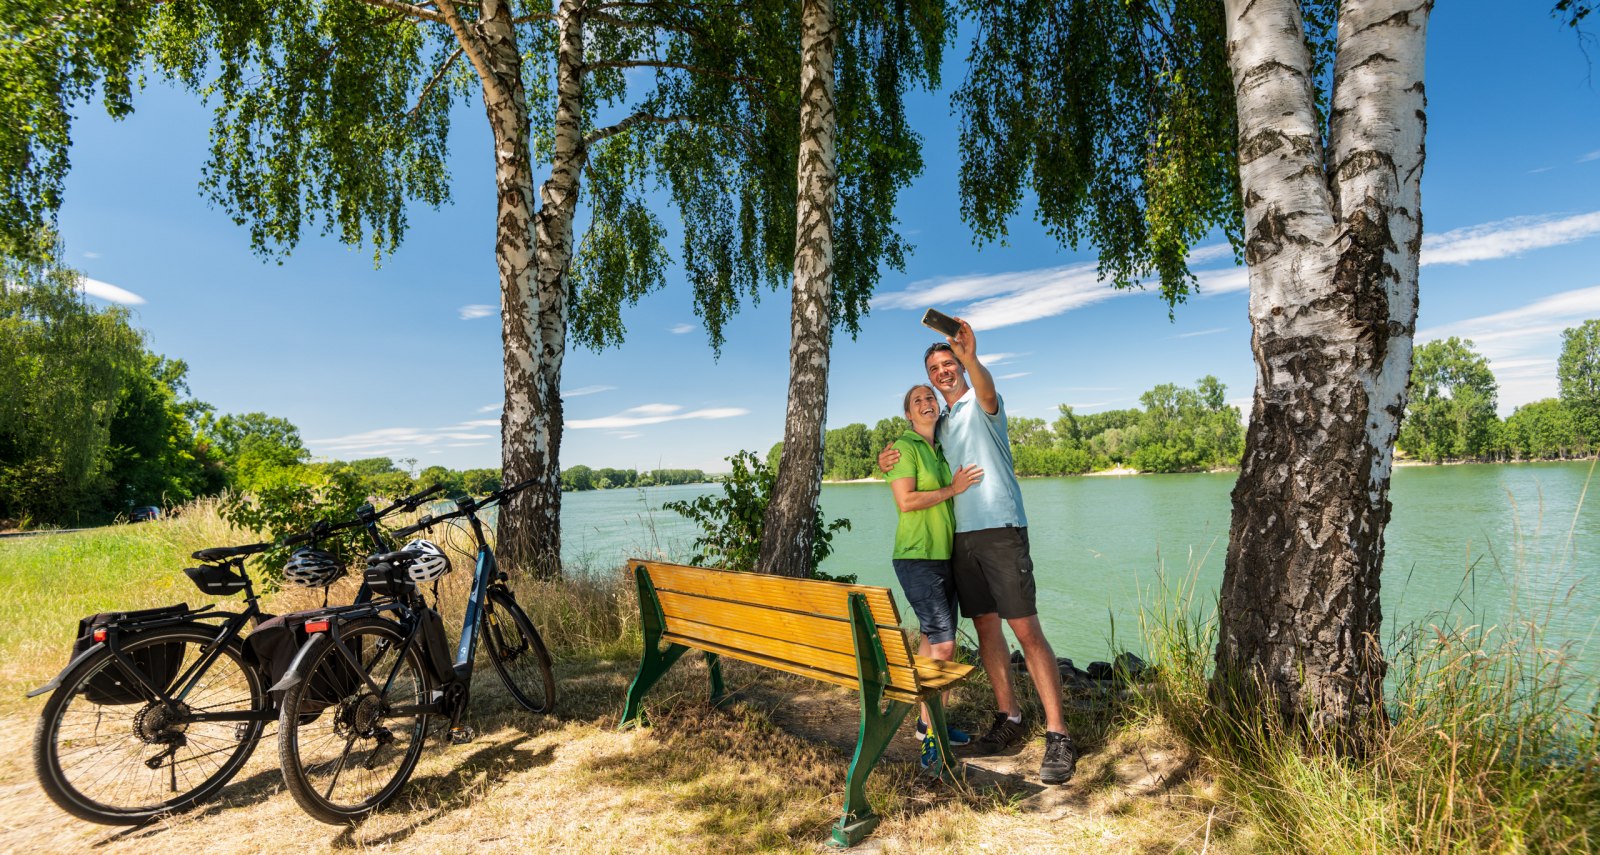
831	599
809	629
743	655
782	650
935	675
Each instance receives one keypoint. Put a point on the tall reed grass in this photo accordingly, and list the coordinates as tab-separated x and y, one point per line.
1492	743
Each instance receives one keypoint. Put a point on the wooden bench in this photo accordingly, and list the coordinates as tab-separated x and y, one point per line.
849	635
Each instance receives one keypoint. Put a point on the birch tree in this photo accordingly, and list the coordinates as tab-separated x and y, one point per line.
857	131
334	114
1296	130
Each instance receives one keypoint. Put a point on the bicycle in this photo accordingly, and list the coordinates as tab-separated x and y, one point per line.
159	708
359	696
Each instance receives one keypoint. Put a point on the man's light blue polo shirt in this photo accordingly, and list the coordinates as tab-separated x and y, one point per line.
969	435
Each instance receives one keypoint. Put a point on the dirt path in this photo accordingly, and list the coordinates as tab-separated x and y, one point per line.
764	774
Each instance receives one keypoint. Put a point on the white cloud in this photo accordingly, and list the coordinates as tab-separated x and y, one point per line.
383	441
91	255
680	329
477	423
1521	344
995	300
108	292
1214	252
1593	155
477	310
491	408
1540	169
1222	281
1001	358
1199	333
1507	237
652	414
1014	376
584	390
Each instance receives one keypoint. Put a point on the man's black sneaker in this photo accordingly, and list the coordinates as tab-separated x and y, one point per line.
1003	734
1060	758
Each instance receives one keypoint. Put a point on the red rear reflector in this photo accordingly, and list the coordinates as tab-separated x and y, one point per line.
316	626
99	634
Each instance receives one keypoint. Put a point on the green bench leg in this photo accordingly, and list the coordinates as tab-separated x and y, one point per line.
878	725
719	692
655	662
948	771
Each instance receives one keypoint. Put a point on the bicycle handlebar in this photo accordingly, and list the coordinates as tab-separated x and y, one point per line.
465	506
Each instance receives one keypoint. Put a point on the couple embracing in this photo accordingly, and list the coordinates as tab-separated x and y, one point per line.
962	538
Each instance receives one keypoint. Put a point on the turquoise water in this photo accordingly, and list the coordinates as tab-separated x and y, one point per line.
1488	544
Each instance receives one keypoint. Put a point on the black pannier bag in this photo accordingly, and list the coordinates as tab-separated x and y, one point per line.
432	626
158	662
276	641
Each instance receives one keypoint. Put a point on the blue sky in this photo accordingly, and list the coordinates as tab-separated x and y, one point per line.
404	360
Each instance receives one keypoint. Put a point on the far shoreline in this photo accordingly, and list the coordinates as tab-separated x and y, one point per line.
1123	471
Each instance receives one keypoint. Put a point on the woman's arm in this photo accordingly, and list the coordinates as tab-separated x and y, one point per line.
908	498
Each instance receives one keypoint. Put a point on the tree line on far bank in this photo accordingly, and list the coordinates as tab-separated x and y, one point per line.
1175	429
1451	413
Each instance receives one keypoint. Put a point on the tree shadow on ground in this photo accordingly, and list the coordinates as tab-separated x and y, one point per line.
768	768
451	789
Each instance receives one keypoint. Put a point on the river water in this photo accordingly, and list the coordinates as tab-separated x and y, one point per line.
1494	545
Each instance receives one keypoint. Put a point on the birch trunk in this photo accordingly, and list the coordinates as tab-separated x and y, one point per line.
789	528
534	323
1332	234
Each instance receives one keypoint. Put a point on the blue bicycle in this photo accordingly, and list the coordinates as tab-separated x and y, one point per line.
360	693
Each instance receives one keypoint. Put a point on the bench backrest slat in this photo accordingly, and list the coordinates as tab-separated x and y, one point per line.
805	595
802	622
780	650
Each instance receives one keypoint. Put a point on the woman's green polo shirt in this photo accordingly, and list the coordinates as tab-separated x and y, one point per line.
926	533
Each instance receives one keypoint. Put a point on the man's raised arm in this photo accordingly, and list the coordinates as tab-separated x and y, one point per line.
965	347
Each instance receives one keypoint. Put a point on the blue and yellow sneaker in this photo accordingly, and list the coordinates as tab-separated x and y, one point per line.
930	751
954	735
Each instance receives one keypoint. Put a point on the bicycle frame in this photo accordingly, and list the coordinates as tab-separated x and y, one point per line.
483	575
454	689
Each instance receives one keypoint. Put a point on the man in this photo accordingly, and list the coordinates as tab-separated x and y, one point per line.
993	570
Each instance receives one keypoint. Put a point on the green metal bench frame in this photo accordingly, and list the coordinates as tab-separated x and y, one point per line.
879	718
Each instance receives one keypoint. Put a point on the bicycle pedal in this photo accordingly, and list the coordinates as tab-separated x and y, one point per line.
462	734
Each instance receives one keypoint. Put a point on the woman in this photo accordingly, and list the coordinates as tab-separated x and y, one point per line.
923	487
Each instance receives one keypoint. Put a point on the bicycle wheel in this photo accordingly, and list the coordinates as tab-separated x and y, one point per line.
518	653
123	763
345	749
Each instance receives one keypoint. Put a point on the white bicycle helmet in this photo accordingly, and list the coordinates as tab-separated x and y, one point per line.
312	568
430	563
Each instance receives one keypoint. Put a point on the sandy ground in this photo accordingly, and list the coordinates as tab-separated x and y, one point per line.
765	774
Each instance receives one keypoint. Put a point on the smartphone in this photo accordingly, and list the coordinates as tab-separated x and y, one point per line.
941	323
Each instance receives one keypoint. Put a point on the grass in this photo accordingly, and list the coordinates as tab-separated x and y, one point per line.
1493	745
765	773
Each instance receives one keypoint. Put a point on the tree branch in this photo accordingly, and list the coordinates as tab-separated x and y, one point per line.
410	10
653	63
492	92
629	24
634	120
444	68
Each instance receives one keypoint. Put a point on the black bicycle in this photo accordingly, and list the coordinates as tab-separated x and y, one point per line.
159	708
360	694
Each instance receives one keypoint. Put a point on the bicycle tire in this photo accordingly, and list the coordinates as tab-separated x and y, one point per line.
101	762
332	724
518	653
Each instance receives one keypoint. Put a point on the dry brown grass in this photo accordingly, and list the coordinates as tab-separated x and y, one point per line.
764	773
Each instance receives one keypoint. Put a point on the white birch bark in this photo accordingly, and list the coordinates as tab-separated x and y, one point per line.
532	320
788	530
1332	234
